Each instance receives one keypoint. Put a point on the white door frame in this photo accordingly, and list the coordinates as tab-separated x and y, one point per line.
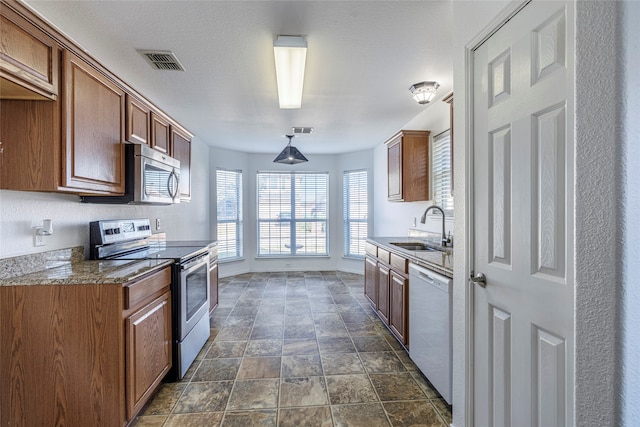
468	326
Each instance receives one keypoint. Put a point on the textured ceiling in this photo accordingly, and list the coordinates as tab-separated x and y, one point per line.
362	58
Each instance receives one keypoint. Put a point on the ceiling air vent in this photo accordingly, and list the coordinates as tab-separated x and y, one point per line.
301	130
162	60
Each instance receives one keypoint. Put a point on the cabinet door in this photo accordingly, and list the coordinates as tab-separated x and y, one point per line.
370	280
213	286
383	292
394	169
159	133
92	128
399	287
181	150
138	121
148	351
29	61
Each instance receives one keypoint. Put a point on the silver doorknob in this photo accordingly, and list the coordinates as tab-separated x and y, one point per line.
479	278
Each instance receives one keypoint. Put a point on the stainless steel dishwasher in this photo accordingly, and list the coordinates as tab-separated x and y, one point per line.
430	345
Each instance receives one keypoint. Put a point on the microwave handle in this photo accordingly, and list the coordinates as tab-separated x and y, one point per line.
173	188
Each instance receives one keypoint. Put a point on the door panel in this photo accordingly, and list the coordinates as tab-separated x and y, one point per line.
523	241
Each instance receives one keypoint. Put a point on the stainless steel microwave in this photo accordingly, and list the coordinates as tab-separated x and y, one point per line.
151	177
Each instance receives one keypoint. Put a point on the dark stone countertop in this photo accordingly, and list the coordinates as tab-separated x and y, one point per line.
440	260
88	273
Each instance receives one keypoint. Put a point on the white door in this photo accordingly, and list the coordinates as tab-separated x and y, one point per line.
523	220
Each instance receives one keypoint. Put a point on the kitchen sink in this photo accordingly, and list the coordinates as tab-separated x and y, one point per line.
413	246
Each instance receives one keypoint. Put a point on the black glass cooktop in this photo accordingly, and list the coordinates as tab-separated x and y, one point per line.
176	253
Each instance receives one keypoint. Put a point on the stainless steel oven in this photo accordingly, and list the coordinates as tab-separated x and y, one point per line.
194	287
128	239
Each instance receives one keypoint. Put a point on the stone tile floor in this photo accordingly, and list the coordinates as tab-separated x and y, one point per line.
297	349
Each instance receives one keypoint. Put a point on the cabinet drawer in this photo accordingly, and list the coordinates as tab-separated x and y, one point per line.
399	263
383	255
147	287
371	249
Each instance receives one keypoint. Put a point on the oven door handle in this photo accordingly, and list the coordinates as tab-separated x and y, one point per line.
195	262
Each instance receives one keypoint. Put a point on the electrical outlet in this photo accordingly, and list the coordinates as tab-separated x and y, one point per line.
157	223
414	221
38	239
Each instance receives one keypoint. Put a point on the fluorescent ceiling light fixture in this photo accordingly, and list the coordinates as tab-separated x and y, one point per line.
424	92
290	55
290	155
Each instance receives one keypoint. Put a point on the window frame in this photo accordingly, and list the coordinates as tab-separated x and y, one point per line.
445	201
346	200
239	221
293	219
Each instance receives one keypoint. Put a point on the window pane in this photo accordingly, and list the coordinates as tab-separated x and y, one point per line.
441	172
292	213
229	213
356	210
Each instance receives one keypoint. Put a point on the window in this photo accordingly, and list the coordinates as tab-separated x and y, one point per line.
441	172
356	210
292	213
229	213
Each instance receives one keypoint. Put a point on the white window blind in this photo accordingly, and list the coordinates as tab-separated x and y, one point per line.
229	213
441	172
292	213
356	211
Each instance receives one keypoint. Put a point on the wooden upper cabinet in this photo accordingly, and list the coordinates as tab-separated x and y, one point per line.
29	59
138	121
181	150
93	123
160	135
408	166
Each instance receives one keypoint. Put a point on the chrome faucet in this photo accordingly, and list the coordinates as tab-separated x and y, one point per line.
445	240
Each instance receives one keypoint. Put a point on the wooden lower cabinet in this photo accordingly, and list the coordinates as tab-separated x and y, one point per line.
83	355
370	280
386	286
398	309
148	349
383	292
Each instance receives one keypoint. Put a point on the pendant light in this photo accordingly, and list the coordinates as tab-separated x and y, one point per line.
290	155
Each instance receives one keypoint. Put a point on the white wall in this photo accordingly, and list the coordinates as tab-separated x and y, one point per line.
629	232
393	219
20	210
250	164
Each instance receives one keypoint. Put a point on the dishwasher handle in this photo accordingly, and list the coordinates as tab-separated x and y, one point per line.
426	277
426	274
